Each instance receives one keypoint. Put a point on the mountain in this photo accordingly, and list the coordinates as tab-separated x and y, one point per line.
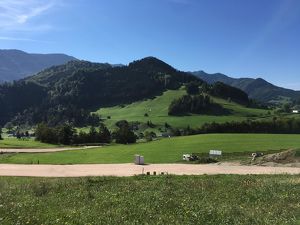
71	91
258	89
16	64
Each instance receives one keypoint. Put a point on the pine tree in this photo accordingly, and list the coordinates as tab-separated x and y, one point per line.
125	136
1	133
104	134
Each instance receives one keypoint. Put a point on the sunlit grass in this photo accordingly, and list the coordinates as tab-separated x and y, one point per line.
214	200
19	143
157	110
167	150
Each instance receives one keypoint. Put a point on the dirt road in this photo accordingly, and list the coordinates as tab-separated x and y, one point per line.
41	150
131	169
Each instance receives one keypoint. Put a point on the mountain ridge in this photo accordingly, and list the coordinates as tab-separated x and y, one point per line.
17	64
71	91
256	88
53	74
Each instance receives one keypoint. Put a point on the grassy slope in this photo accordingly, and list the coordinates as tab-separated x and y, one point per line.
159	112
165	150
15	143
214	200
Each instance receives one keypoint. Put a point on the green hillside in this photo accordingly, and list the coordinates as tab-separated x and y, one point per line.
157	110
28	143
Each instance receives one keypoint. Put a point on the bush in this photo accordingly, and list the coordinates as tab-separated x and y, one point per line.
149	135
46	134
192	88
206	160
122	123
125	136
150	124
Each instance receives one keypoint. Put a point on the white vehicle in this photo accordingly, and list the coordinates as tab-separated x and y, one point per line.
189	157
186	157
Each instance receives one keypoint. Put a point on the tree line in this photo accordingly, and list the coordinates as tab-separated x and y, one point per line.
66	134
274	126
280	126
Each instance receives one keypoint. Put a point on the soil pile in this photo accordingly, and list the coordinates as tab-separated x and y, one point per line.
288	158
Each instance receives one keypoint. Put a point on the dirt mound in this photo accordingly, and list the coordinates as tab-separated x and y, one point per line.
288	157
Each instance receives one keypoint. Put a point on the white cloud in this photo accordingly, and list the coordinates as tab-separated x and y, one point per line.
5	38
16	14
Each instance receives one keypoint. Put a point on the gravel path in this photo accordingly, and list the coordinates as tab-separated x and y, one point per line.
41	150
131	170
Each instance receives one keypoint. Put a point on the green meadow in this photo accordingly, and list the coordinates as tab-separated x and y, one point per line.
157	110
209	200
28	143
168	150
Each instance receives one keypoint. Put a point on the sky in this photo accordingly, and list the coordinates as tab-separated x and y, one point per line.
240	38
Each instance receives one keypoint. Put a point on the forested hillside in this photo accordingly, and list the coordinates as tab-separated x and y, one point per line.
69	92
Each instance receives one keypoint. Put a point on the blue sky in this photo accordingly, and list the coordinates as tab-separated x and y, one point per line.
241	38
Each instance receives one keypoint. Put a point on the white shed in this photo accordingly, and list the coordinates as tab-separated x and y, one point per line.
215	153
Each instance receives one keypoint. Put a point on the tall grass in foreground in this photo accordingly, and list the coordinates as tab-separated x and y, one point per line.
263	199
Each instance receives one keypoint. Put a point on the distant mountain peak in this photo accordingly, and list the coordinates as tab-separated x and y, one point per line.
149	60
16	64
258	88
260	79
11	50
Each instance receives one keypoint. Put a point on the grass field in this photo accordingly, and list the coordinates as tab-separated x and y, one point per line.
157	109
30	143
164	150
209	200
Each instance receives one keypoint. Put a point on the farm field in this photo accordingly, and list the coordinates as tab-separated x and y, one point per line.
167	150
157	110
29	143
214	200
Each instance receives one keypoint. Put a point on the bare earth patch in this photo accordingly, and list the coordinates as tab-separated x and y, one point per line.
41	150
287	158
131	170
